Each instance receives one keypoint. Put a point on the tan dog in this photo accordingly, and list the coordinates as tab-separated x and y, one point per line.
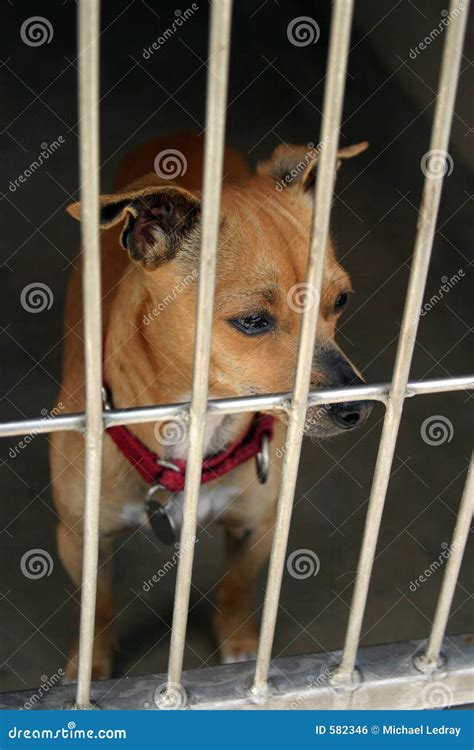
263	253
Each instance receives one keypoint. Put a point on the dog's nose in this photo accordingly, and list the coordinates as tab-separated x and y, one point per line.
350	414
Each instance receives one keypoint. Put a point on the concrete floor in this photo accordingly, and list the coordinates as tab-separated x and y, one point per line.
275	95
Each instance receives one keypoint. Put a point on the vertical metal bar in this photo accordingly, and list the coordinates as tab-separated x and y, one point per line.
219	49
333	101
89	23
458	544
452	53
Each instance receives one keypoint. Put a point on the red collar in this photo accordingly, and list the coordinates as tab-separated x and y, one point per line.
147	463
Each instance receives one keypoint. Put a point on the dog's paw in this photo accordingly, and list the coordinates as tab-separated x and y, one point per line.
238	656
237	636
239	649
67	680
101	662
100	671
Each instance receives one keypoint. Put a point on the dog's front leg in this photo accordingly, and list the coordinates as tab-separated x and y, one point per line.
246	551
70	552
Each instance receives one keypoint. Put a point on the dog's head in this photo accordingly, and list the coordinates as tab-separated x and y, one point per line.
260	286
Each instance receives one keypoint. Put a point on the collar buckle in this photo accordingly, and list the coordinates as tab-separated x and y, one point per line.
168	465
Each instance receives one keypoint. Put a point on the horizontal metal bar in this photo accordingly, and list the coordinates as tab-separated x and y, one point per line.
388	679
272	402
42	425
438	385
452	53
456	552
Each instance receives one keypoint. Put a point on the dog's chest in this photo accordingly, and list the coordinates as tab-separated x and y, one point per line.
213	502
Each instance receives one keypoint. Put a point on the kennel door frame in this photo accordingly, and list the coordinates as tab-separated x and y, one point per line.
345	674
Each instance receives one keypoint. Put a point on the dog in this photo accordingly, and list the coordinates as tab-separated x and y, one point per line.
150	254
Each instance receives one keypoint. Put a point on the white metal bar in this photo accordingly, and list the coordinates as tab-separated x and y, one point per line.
458	545
42	425
272	402
389	680
452	53
332	110
89	24
282	401
219	49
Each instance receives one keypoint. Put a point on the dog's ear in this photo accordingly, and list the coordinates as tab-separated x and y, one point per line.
291	165
156	220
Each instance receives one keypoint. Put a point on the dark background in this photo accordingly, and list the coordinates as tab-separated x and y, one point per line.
275	95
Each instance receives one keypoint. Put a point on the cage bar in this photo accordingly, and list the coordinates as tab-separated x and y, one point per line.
332	110
219	49
452	54
273	402
89	24
430	659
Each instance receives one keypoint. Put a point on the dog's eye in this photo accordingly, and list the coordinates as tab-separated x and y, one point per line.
340	301
254	324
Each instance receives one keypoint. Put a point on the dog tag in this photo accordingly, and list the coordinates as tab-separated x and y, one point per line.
165	520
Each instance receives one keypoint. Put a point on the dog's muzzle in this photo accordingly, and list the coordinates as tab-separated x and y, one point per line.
331	419
350	414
